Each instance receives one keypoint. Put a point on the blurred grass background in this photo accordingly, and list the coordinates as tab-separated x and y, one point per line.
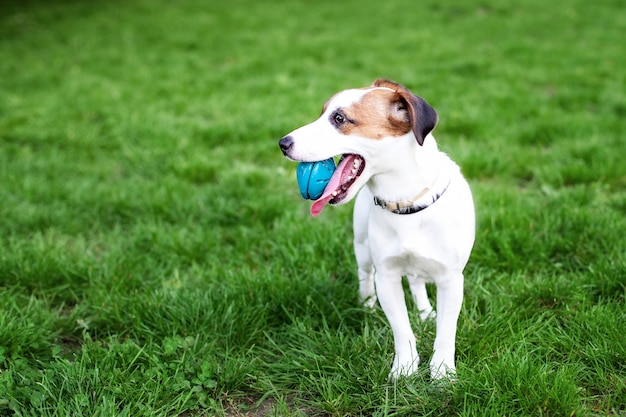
156	259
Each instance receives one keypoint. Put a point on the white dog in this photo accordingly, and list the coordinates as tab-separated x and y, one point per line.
414	216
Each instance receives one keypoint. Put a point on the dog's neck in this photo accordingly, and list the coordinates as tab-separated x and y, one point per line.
417	178
426	198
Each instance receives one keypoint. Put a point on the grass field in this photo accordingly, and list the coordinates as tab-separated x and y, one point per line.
156	258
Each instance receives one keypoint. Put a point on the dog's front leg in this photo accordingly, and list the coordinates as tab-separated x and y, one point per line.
391	299
367	292
449	301
362	252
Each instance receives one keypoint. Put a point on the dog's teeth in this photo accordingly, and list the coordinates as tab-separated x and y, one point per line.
335	193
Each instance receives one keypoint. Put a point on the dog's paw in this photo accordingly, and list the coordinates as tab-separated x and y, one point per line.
428	315
402	369
442	372
370	302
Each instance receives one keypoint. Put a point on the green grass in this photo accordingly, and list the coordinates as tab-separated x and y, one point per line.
155	256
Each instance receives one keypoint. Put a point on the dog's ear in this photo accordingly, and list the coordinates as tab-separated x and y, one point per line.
422	117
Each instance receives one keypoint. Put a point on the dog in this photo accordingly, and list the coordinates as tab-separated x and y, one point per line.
413	213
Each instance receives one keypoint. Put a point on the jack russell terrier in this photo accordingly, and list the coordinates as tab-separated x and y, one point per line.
413	216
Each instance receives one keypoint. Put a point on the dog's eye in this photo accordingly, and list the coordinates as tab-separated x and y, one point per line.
339	119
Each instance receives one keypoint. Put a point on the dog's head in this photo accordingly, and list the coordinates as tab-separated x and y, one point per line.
359	124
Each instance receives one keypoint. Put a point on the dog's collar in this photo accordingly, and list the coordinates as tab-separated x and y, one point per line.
411	206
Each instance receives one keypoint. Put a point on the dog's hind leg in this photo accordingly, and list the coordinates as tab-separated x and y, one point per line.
449	301
420	296
367	290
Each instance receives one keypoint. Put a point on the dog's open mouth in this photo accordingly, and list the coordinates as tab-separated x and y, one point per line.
349	169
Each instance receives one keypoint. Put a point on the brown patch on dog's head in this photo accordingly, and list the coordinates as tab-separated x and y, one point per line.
378	114
389	111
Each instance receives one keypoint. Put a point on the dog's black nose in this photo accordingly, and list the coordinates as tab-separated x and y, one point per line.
285	144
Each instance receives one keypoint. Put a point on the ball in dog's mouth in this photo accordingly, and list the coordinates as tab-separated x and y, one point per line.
350	167
313	177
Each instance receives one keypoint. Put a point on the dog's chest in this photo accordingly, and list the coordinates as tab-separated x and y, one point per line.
406	249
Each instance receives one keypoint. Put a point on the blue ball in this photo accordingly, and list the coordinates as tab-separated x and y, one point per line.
313	177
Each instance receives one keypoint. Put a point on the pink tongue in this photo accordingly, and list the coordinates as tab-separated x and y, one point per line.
333	184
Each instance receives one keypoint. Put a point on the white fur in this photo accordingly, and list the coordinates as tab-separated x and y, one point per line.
432	245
